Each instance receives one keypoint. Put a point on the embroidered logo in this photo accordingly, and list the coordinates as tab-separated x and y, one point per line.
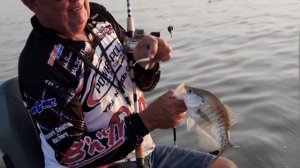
42	105
55	53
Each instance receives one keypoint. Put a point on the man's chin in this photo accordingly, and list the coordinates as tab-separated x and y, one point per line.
77	25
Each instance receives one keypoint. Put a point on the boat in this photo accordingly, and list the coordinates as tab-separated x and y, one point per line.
19	141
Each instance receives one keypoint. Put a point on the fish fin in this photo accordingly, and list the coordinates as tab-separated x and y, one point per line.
235	118
211	130
235	146
206	142
190	123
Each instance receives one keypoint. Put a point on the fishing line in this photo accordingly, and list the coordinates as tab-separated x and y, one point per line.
143	60
174	136
170	30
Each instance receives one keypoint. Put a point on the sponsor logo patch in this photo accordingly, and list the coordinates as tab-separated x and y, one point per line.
55	53
42	105
89	149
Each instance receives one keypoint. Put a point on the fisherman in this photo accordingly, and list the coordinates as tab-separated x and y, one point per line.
84	115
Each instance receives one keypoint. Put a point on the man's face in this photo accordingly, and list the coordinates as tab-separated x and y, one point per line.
68	17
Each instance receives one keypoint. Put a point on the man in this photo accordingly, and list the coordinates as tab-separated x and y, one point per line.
75	82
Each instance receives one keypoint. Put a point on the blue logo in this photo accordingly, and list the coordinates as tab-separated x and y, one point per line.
59	51
42	105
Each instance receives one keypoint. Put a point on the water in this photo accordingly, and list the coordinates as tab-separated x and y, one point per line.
246	52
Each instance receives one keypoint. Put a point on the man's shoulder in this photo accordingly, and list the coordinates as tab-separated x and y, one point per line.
35	46
95	7
35	54
99	13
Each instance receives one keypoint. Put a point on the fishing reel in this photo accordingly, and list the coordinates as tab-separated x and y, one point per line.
133	38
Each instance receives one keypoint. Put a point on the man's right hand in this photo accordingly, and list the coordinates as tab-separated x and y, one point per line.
165	112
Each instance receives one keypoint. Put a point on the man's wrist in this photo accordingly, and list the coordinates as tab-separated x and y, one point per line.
147	121
136	124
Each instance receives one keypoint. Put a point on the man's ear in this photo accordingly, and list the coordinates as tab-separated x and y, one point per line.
31	4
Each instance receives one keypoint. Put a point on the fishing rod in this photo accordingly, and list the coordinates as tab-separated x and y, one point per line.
133	36
130	42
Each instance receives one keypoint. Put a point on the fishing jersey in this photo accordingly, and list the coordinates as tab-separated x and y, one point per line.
82	115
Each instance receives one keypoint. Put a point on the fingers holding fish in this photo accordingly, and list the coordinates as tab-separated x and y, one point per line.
165	112
180	118
178	108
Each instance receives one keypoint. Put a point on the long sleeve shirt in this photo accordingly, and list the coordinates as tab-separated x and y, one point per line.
82	115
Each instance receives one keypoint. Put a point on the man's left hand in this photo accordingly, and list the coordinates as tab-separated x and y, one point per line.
153	47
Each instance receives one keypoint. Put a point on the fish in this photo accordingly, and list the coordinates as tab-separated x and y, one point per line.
212	118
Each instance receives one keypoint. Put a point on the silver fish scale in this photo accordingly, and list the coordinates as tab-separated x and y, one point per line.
211	113
215	119
193	100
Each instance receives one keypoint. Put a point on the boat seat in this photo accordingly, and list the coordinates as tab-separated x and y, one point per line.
19	140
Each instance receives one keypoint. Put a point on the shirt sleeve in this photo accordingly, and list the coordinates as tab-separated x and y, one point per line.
147	79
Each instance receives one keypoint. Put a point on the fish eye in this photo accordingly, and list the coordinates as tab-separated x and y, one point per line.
190	91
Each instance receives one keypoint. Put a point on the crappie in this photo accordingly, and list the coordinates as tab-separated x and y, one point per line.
211	116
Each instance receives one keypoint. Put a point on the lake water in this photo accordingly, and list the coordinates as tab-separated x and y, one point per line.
246	52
